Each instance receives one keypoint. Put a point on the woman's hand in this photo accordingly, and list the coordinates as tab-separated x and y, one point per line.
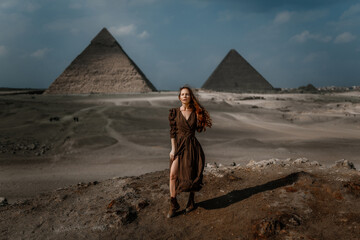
172	153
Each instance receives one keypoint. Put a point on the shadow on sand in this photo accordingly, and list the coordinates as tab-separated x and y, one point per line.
239	195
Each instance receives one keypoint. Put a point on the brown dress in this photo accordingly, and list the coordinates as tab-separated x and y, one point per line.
191	158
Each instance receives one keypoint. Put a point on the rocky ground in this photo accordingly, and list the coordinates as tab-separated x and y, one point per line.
269	199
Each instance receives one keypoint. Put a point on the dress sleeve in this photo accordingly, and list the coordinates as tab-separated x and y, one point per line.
172	121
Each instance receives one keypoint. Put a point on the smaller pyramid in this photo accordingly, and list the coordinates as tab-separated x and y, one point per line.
235	74
103	67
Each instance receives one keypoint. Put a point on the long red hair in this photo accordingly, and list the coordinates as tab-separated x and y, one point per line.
203	117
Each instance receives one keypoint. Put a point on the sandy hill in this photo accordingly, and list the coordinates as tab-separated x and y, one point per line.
272	199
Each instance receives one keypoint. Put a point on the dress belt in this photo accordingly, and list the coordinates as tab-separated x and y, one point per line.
187	135
182	144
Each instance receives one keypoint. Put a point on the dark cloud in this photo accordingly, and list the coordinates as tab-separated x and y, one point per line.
271	5
178	42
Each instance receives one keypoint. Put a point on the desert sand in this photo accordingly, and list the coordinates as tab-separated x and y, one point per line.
96	167
48	142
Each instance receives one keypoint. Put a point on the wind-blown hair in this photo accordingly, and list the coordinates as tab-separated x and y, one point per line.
203	117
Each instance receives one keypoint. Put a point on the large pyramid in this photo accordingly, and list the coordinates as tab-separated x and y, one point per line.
235	74
103	67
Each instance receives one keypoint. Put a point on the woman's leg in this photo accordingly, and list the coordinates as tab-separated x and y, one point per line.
173	177
174	205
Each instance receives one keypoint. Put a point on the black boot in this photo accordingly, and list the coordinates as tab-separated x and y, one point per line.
174	206
191	202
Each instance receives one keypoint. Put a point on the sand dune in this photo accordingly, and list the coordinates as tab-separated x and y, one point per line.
43	147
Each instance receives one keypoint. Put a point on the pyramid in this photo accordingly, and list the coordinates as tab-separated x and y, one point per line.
103	67
235	74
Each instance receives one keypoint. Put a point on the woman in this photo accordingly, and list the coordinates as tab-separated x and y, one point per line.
187	158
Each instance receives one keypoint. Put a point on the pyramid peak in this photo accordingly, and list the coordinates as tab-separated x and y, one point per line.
104	37
233	52
104	31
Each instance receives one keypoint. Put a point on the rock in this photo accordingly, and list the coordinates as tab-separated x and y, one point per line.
232	177
251	163
3	201
54	119
212	165
353	188
124	207
31	146
265	163
266	228
343	163
314	163
142	204
81	184
273	161
301	160
127	215
283	163
272	226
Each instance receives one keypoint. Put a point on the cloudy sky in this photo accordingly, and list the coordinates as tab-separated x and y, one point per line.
290	42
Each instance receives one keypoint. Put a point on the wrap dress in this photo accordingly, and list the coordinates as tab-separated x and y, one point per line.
191	158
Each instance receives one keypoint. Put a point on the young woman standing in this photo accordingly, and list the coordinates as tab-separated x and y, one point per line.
187	158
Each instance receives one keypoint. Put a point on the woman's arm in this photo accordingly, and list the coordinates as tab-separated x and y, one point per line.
173	130
172	153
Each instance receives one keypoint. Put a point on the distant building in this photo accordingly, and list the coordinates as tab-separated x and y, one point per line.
235	74
103	67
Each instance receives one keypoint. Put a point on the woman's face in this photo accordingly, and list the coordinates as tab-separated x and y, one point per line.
185	96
